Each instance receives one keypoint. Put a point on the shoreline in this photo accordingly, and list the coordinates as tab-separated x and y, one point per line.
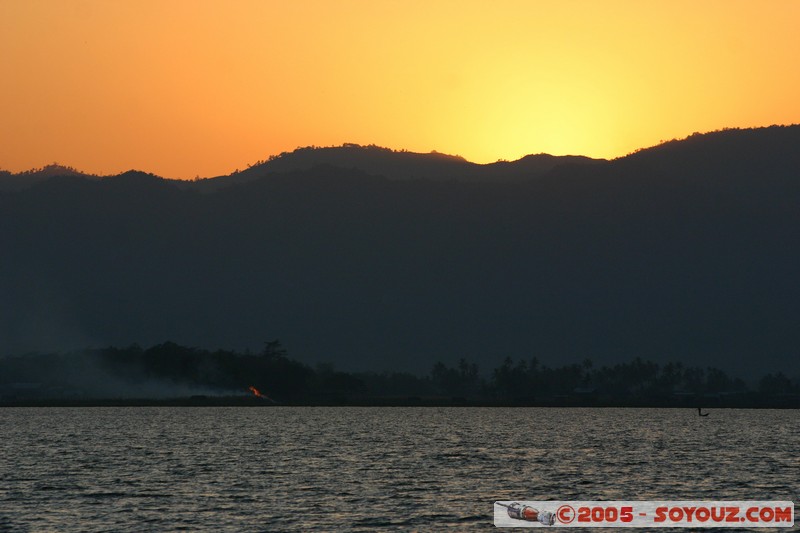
232	401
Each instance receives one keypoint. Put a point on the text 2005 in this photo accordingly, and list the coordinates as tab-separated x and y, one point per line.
604	514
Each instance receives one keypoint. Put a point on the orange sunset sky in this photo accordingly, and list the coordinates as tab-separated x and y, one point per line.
202	87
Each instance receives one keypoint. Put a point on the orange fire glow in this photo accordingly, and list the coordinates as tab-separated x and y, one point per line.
256	391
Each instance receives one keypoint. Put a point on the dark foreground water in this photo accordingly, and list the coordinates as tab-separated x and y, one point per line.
366	469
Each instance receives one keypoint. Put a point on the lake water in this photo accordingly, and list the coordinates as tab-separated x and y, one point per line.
367	469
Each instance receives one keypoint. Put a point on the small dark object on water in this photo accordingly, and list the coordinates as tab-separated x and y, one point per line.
700	412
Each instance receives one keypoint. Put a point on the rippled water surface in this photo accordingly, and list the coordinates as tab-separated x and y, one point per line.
364	469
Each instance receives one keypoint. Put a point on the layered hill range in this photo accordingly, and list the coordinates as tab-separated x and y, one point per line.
374	259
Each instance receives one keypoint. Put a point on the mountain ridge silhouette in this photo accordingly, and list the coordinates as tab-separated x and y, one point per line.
395	165
400	164
684	251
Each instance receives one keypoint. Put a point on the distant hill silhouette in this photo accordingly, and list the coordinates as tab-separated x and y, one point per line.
374	160
22	180
394	165
685	251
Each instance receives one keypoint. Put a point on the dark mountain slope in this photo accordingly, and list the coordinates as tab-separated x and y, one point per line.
636	257
14	182
394	165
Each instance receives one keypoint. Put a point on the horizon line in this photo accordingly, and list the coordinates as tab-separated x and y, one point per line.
273	157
